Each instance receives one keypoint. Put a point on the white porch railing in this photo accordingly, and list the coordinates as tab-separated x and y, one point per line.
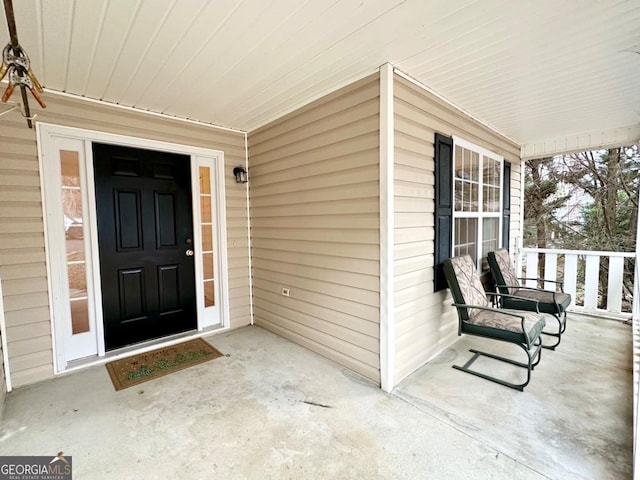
580	270
602	283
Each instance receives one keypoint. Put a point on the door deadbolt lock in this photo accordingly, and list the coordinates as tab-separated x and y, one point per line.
189	253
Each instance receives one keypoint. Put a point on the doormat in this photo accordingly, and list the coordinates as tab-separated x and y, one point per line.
130	371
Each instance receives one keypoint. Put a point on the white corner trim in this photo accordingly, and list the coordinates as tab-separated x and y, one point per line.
5	348
387	322
246	166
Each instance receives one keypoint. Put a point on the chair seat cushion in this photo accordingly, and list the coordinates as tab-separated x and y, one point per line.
543	297
498	324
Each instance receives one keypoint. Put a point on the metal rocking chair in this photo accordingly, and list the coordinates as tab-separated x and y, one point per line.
476	317
531	299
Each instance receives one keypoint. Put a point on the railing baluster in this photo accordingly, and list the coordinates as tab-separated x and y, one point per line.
591	281
532	268
614	290
570	275
550	270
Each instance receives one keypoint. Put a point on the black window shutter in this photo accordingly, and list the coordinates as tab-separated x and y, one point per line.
444	206
506	204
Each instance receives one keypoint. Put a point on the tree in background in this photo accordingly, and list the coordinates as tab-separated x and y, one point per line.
611	179
608	181
541	202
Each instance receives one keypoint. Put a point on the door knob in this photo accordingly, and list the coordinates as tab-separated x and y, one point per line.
189	253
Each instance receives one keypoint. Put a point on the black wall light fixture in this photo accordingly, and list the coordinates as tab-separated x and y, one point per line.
241	175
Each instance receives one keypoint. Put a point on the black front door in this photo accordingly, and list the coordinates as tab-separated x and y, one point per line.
145	237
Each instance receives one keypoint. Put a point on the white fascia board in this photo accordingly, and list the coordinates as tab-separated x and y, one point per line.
612	138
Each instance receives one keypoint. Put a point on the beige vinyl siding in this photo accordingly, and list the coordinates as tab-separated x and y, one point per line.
425	323
314	189
3	383
22	254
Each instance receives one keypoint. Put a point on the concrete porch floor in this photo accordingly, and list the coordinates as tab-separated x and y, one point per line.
272	409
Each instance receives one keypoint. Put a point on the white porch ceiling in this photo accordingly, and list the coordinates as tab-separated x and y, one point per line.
543	72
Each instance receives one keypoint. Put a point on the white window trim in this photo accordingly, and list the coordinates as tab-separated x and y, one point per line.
480	215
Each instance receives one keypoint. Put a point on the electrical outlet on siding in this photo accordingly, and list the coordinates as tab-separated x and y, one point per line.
285	292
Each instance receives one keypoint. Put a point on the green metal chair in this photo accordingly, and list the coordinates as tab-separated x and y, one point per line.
529	298
477	317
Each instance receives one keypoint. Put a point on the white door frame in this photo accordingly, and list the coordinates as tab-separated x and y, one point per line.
51	138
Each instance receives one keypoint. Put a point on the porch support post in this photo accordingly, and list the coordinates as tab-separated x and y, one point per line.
387	324
635	307
635	321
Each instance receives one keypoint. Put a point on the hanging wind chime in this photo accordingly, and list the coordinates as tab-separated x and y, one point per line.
16	64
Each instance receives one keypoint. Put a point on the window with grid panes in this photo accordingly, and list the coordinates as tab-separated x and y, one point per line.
477	201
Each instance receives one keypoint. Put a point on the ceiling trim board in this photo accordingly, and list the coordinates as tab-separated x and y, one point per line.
138	110
407	77
612	138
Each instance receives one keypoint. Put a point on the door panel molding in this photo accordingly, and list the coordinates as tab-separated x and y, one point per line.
169	289
127	202
131	284
51	138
